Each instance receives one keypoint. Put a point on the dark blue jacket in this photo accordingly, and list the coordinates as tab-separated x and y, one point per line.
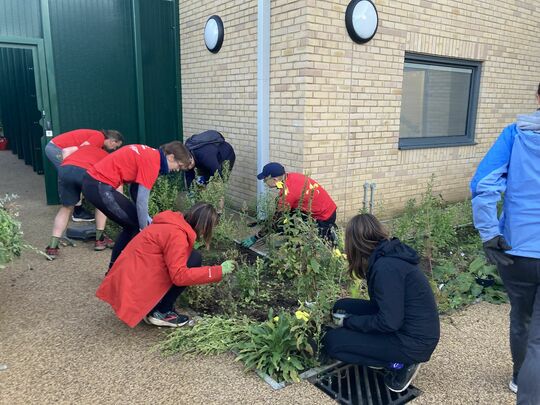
406	304
209	159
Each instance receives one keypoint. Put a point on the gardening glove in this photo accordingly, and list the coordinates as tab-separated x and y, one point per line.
249	242
495	251
227	266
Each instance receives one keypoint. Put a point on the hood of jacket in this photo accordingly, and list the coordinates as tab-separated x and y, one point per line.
393	248
175	219
529	122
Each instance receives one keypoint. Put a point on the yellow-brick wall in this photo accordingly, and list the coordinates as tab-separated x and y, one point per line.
335	105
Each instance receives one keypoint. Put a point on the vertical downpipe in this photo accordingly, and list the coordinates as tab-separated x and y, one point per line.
365	202
372	186
263	90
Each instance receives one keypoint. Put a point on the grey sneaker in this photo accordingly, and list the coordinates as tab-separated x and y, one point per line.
513	386
170	319
399	380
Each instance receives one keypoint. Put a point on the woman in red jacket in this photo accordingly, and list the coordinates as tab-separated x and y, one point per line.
158	264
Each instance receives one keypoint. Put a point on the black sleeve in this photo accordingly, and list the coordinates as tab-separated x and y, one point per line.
189	176
389	295
209	162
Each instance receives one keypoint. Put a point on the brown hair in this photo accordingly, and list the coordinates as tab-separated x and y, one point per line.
113	134
202	217
363	234
180	152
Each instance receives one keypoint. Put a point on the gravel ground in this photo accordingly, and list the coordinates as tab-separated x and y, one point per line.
63	345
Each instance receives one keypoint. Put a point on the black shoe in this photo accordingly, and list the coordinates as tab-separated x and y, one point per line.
81	215
399	380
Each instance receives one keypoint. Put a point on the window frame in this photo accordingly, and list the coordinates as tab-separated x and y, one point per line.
474	94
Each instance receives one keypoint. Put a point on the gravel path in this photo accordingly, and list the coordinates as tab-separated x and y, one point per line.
63	345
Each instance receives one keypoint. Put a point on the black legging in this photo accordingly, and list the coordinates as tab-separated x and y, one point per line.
367	349
116	207
167	302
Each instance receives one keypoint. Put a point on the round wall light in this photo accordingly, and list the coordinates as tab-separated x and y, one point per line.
361	20
213	34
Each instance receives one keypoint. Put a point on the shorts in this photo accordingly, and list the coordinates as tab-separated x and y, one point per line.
70	184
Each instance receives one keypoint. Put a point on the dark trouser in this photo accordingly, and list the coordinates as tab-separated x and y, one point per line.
167	302
116	207
367	349
522	282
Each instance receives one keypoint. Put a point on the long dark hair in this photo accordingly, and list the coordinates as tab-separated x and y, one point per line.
363	234
202	217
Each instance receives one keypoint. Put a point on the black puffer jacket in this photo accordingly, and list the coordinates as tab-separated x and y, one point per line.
402	293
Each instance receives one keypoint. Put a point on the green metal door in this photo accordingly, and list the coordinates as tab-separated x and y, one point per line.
159	62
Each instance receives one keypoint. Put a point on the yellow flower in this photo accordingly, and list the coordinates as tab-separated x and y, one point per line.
303	315
276	318
286	220
336	252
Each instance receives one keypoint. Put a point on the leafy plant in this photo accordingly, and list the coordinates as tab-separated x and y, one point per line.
11	236
279	347
164	194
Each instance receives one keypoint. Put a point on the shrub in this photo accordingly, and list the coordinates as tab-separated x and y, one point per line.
11	236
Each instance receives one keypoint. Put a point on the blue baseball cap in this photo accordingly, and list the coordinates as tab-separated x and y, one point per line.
272	169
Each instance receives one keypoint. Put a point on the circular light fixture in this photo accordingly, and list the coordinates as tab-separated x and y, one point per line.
213	34
361	20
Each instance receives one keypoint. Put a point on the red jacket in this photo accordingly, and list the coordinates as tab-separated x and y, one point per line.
149	266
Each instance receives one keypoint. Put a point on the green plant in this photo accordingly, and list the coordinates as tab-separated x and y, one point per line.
210	335
11	236
279	347
165	193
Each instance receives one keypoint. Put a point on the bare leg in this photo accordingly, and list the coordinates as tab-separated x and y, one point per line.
61	221
101	220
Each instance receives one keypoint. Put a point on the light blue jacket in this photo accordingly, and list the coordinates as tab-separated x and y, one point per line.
512	167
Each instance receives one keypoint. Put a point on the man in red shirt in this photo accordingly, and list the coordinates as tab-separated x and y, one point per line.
295	188
70	175
63	145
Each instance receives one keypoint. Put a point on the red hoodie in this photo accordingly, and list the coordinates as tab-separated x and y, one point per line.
149	266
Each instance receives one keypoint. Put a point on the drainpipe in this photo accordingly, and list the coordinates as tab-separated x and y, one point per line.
263	89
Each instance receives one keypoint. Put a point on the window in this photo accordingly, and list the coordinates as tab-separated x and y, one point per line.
439	99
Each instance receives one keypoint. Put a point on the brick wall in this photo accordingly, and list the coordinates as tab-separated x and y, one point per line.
335	105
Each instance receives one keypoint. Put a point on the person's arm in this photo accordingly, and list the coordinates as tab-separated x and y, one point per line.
68	151
489	182
189	176
143	195
389	296
175	253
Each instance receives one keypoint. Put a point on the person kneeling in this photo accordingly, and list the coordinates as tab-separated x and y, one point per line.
158	264
396	329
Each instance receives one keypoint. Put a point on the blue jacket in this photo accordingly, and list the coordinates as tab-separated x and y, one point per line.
512	167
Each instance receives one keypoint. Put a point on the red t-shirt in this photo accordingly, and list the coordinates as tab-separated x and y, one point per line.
322	205
78	137
85	157
129	164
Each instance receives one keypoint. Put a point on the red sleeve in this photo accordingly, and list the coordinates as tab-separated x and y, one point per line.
148	168
96	139
176	252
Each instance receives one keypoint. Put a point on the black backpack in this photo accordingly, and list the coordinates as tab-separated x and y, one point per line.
204	138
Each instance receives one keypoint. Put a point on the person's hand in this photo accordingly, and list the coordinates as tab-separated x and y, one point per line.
339	317
495	251
148	219
249	242
228	266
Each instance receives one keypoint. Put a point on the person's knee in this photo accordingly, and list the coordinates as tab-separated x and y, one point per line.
195	259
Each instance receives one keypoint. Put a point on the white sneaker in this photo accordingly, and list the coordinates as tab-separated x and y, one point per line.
513	386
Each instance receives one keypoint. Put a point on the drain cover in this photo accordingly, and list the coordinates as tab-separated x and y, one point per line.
350	384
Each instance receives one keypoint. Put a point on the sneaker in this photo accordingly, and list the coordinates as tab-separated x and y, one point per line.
513	386
104	243
52	252
81	215
399	380
170	319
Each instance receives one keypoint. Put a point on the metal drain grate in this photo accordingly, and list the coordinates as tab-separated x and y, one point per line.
357	385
